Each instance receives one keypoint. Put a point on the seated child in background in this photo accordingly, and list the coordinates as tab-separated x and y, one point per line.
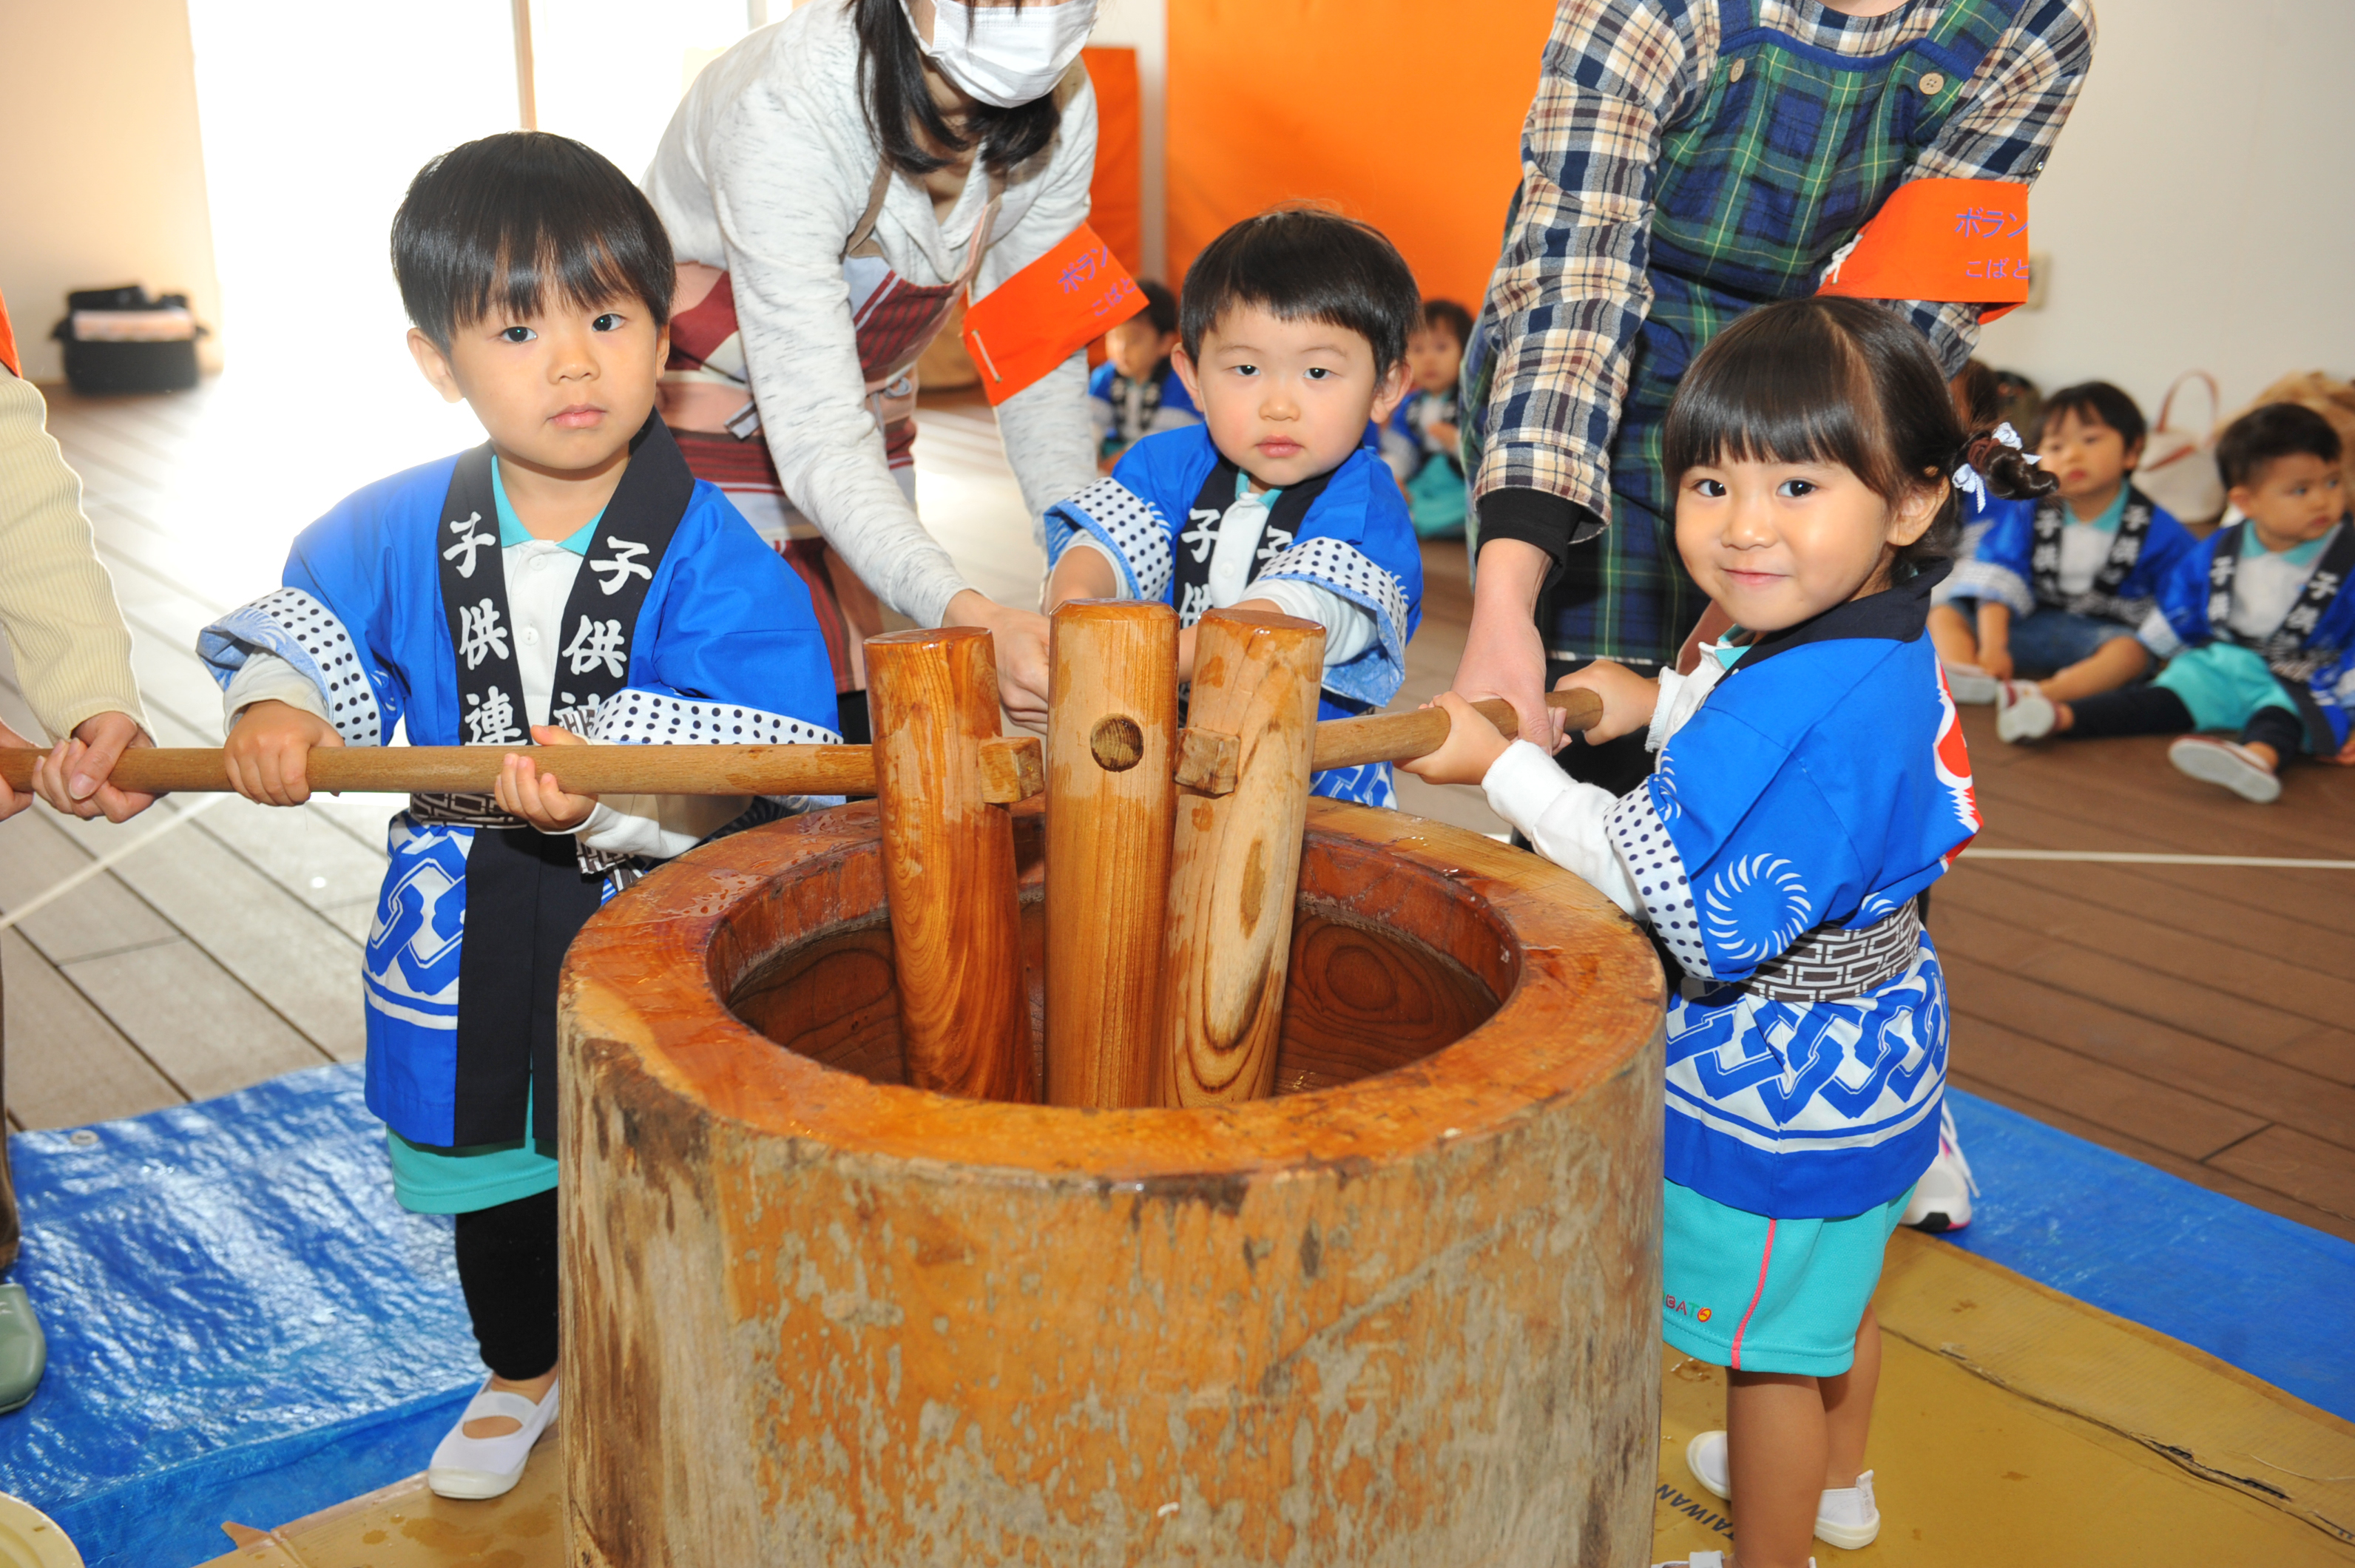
569	574
1812	783
2256	624
1294	334
2057	589
1421	442
1135	392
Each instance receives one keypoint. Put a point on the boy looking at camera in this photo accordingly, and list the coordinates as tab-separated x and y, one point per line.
1293	332
568	581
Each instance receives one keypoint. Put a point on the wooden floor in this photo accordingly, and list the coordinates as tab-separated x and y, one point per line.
2197	1017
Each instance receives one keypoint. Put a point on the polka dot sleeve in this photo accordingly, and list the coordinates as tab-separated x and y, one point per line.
297	629
1125	525
1642	840
1340	568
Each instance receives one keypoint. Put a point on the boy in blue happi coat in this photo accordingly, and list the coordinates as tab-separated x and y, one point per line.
2256	623
1136	391
568	581
1295	326
2053	593
1422	443
1812	784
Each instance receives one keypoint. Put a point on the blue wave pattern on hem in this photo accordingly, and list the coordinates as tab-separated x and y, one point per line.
243	1323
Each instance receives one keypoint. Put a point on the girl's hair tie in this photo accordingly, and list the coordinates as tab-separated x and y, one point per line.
1997	456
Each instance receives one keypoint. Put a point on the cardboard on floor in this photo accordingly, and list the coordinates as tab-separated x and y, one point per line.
2014	1424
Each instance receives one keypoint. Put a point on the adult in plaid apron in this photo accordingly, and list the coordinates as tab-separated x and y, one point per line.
1791	150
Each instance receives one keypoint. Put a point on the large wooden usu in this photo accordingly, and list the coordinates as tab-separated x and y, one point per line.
1404	1310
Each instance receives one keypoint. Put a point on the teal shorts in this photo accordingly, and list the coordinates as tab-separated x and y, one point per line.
1757	1294
2223	686
430	1180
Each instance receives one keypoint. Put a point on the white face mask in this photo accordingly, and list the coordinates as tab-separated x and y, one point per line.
1004	55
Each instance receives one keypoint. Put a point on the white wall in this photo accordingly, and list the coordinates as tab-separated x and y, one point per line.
2197	210
1143	26
104	178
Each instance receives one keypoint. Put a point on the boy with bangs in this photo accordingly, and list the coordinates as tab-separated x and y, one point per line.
569	578
1294	329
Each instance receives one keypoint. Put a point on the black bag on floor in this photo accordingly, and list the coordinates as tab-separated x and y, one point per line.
124	340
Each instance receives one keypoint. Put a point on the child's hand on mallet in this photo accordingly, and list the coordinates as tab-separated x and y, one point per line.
1471	747
534	793
268	752
1628	698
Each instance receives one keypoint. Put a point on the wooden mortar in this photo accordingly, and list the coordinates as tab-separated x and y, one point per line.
1403	1313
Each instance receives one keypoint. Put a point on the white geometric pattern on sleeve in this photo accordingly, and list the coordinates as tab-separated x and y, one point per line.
1132	525
296	627
1658	873
634	717
1342	568
1987	580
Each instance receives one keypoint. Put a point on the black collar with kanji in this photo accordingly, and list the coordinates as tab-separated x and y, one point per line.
602	609
1897	615
1199	542
2283	649
2100	599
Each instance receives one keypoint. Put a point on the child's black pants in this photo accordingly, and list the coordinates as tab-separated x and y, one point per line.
2155	710
506	1266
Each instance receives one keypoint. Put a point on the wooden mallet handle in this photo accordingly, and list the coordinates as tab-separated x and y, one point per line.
731	770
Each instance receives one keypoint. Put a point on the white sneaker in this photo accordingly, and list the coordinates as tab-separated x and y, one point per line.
467	1466
1845	1517
2228	763
1969	683
1942	1199
2022	712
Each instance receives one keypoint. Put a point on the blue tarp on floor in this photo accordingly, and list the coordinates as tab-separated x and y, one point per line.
244	1326
2269	1294
243	1323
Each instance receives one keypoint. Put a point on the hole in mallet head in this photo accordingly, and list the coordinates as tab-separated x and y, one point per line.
1117	743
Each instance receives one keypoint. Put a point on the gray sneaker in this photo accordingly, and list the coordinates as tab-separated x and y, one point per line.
2228	763
1969	683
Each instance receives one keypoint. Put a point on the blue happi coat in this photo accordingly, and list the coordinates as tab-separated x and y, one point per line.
723	648
2016	561
1822	783
1347	532
2311	653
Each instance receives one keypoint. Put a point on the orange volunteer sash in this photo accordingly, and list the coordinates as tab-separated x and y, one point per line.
8	342
1048	312
1964	241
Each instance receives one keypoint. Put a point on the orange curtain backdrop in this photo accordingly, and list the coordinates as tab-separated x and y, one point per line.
1116	196
1406	113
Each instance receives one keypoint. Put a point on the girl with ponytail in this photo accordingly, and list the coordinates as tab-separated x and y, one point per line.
1811	784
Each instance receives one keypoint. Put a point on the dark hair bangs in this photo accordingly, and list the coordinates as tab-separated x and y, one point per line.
1301	264
508	223
1792	390
2266	434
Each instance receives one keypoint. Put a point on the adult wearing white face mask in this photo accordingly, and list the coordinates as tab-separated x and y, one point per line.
831	185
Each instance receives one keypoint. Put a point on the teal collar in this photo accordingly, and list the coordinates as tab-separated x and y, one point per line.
1243	490
511	529
2112	514
2304	555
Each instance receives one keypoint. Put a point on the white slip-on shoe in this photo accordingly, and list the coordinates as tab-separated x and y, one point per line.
1969	683
477	1467
1706	1559
1846	1517
2228	763
2022	712
1849	1518
1942	1199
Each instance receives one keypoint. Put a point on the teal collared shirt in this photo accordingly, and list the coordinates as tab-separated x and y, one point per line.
2304	555
2112	514
511	529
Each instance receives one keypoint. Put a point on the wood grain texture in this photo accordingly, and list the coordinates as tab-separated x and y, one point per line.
1400	737
1235	859
1110	809
590	769
815	1319
948	861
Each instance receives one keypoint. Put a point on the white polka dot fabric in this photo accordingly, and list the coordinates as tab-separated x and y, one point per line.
634	716
1132	526
306	634
1659	872
1342	568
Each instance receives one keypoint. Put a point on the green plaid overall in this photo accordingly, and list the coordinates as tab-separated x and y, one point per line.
1792	151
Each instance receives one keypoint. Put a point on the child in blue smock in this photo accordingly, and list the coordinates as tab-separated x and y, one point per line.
2256	623
1423	441
1294	328
566	582
1812	782
2053	593
1135	392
